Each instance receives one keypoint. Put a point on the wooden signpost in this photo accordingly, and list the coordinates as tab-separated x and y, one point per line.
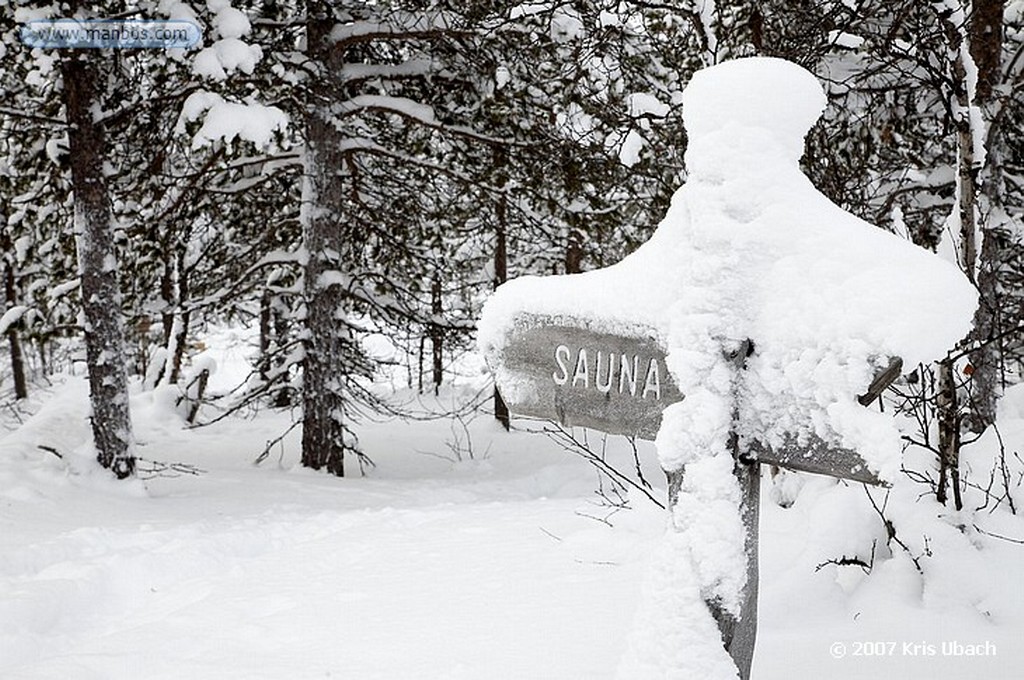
581	377
563	369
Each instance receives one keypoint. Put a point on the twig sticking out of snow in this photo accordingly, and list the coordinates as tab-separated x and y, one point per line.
567	439
890	530
150	469
855	561
50	449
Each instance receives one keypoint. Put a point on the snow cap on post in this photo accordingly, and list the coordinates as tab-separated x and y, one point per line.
772	94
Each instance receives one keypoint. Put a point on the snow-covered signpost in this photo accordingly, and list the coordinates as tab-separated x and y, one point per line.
563	370
748	329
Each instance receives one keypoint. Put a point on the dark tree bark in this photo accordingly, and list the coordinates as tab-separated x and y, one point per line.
97	262
282	324
17	364
263	364
167	312
272	364
576	235
323	429
13	336
436	334
167	293
184	318
574	250
948	417
967	161
979	199
985	33
501	412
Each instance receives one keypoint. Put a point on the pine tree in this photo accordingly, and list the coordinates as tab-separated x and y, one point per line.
83	80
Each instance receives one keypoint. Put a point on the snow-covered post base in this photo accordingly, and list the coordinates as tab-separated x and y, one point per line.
740	635
714	500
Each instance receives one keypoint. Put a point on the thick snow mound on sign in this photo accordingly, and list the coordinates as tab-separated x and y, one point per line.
750	249
784	99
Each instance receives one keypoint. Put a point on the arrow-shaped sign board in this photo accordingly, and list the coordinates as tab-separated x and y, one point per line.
564	370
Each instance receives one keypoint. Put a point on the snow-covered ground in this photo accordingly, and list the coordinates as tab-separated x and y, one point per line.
426	568
469	553
497	566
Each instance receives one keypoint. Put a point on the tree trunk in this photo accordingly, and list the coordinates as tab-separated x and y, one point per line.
974	49
167	294
967	168
17	364
323	431
263	362
13	336
501	412
985	33
423	341
949	435
167	312
177	357
574	249
98	268
283	396
436	334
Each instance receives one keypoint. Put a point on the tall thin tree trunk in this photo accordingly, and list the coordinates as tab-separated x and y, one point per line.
974	57
17	364
436	334
423	341
184	318
967	168
323	431
167	293
263	361
13	335
41	348
501	412
985	33
168	327
282	322
948	418
97	262
574	249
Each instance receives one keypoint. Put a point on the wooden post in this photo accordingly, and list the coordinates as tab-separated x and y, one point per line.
739	635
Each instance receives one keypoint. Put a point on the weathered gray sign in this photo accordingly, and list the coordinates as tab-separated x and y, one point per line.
580	377
563	370
813	455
